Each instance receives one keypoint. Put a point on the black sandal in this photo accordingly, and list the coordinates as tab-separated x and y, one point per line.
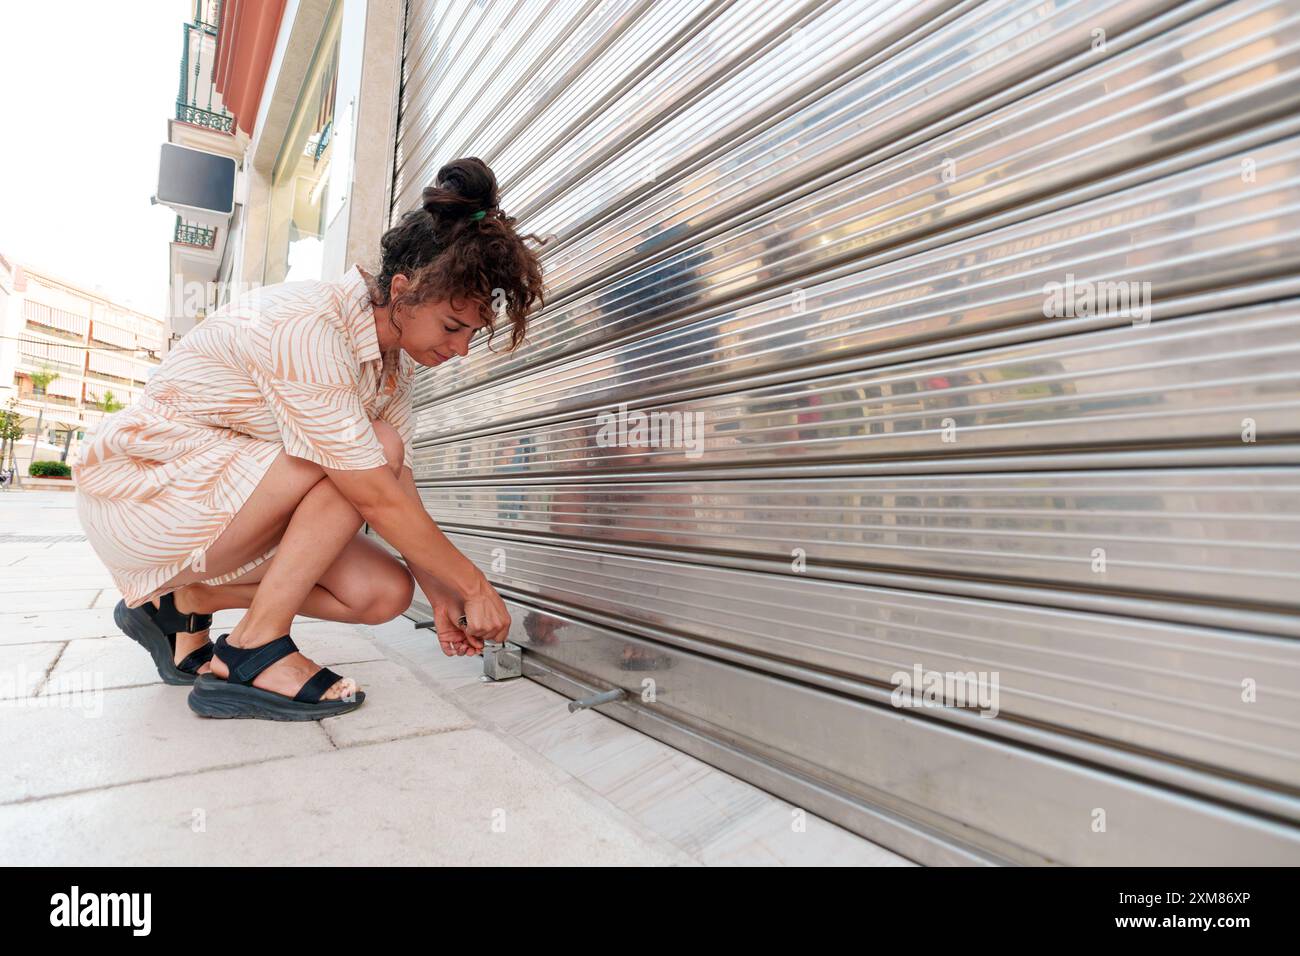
155	629
237	697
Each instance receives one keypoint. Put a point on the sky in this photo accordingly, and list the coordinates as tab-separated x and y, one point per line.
85	92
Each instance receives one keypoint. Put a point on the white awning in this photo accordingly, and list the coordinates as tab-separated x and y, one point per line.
60	319
107	363
64	387
114	335
51	352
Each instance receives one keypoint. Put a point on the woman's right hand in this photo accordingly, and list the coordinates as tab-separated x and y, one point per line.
486	615
486	619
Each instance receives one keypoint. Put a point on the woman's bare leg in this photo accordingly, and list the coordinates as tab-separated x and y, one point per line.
298	507
364	585
319	530
252	532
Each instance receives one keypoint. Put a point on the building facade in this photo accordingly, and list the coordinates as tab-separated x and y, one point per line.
301	94
200	121
97	353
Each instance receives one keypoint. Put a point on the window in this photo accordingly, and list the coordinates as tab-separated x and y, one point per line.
301	178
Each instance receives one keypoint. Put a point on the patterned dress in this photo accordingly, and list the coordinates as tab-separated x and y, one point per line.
293	368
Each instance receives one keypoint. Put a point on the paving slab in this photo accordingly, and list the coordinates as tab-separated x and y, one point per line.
419	648
28	627
714	817
118	661
109	662
15	584
48	599
107	597
397	705
462	798
103	737
24	668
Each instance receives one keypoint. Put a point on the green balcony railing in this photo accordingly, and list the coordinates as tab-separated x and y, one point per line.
207	14
197	101
222	122
188	234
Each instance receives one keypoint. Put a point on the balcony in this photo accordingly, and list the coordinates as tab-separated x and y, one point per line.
207	14
54	322
126	333
191	234
64	391
197	101
118	368
198	116
60	401
36	355
194	234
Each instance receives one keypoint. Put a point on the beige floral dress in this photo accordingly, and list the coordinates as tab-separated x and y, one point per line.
293	368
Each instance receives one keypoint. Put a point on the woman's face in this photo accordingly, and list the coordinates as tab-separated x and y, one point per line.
434	332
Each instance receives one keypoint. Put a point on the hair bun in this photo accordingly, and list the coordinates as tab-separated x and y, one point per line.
468	179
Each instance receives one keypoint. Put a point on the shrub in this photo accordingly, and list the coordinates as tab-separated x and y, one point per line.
49	469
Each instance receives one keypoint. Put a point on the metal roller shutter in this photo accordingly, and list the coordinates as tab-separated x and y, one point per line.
988	315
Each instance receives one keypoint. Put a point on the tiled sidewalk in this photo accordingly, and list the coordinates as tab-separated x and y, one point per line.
104	764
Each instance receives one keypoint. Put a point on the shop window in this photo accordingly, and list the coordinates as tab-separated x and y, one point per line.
300	182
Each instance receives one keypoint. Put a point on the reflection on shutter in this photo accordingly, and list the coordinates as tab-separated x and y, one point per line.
889	341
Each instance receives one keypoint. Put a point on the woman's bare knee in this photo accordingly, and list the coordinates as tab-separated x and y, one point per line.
390	595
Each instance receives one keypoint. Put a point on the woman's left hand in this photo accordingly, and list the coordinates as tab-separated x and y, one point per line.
451	636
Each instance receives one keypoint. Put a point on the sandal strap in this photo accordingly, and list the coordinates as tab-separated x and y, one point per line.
316	686
196	659
170	620
246	663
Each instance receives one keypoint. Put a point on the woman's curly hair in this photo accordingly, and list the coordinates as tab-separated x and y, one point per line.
448	255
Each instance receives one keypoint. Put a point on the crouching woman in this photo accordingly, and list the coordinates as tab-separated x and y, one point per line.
272	431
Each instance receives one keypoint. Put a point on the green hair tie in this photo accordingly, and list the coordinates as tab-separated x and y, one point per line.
479	215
